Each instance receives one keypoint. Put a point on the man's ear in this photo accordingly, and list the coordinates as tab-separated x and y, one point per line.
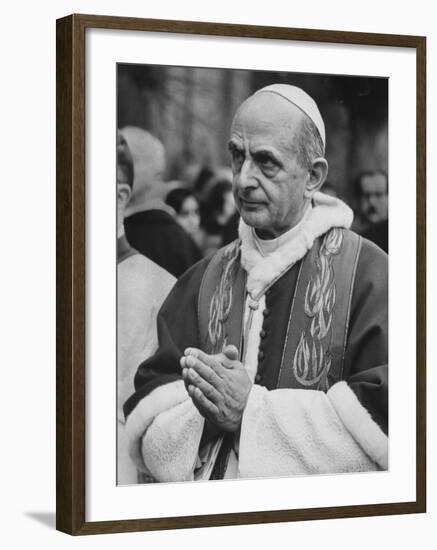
318	174
123	193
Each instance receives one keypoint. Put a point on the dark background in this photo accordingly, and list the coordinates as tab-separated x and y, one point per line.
190	110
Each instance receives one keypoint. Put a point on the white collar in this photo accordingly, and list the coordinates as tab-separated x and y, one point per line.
265	268
266	247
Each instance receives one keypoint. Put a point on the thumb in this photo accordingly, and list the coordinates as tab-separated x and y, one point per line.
231	352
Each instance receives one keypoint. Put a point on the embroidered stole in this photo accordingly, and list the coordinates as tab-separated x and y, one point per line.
315	343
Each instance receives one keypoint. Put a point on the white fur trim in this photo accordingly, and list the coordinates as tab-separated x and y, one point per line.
294	432
327	212
170	446
359	423
159	400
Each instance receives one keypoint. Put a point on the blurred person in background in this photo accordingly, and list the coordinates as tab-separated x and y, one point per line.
202	182
142	287
186	209
150	226
216	212
372	194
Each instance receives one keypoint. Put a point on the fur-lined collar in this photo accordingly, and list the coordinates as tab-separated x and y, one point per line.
327	212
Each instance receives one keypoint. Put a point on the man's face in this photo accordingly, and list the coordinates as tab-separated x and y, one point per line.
268	181
374	198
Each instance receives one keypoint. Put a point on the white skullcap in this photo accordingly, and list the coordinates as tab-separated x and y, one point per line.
302	100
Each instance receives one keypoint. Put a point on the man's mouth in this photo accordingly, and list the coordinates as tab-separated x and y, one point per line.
250	202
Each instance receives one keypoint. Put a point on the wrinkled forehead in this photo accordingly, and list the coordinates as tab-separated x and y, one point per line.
268	115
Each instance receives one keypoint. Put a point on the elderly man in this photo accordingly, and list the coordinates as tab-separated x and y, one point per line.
272	356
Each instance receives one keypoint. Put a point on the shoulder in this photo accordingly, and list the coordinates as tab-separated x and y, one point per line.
368	251
372	269
191	280
140	273
154	220
372	251
150	216
373	261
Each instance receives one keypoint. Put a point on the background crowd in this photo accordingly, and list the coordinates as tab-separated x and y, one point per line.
176	122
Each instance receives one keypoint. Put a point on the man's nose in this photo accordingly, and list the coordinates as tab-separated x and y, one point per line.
247	177
373	200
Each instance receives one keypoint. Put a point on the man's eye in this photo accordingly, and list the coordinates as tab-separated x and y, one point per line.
266	163
237	158
266	160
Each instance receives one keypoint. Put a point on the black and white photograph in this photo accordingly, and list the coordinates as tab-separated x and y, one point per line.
218	292
252	274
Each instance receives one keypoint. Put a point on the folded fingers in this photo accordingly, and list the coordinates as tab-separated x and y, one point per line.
208	390
204	405
203	370
209	360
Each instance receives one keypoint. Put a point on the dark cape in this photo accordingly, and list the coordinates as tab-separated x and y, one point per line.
157	235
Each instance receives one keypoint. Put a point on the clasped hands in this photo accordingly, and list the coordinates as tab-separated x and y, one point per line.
218	385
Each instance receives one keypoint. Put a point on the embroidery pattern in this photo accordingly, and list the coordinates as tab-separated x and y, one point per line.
312	358
221	301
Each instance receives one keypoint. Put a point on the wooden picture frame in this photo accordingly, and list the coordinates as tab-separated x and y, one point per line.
71	254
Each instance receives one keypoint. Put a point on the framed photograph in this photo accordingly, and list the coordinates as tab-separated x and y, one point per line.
240	292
